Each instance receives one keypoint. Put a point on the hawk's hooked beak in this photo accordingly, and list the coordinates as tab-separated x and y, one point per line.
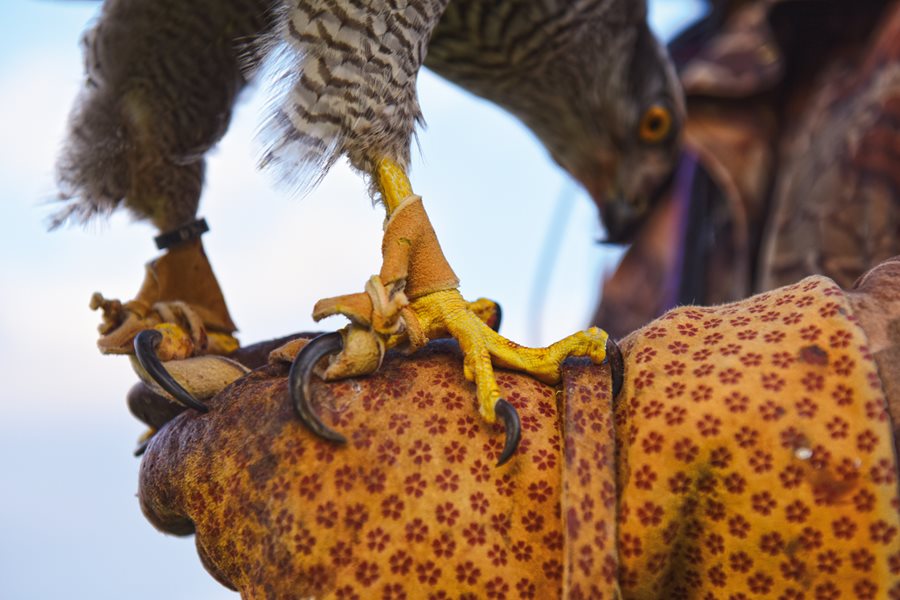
621	219
623	214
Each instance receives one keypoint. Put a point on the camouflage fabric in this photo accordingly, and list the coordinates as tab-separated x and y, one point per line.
790	163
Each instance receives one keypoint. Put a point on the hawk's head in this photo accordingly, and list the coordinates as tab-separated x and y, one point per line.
630	114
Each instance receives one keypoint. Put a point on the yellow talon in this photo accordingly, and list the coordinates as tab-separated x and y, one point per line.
416	293
145	437
221	343
176	343
414	263
446	312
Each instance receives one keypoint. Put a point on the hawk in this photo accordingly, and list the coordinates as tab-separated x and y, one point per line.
586	76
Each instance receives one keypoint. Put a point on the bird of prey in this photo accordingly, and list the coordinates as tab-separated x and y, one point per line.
586	76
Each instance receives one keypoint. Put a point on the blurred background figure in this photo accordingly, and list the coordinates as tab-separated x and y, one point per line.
791	162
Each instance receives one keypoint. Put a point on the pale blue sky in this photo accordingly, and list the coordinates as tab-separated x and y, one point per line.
69	522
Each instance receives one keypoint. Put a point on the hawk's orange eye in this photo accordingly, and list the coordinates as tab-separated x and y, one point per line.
656	124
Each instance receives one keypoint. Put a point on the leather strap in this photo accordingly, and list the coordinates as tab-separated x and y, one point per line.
185	233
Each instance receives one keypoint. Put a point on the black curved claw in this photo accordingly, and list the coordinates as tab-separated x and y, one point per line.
142	447
298	382
145	345
499	319
513	426
616	366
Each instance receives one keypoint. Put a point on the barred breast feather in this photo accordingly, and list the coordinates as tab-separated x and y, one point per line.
349	71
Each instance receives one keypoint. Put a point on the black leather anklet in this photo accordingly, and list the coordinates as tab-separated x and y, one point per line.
185	233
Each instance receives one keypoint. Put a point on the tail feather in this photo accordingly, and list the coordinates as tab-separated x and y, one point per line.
92	170
162	79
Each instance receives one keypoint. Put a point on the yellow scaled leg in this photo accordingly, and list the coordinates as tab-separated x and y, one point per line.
415	299
393	183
